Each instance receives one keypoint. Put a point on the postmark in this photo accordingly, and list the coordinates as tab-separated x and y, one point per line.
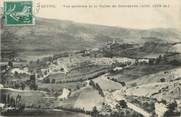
18	13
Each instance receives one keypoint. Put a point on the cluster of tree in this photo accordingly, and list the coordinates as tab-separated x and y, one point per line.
85	78
162	80
97	87
37	65
78	86
162	59
116	80
10	64
47	80
174	62
33	87
113	49
32	83
10	101
158	60
147	103
5	73
172	110
71	109
152	61
20	86
134	84
93	113
65	54
3	68
121	64
119	113
121	104
15	85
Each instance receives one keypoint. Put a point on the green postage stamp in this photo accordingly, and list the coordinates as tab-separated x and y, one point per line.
18	13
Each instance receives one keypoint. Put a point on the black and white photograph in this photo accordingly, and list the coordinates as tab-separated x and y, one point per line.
78	67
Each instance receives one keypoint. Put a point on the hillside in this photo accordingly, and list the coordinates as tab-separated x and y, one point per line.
169	75
167	91
52	36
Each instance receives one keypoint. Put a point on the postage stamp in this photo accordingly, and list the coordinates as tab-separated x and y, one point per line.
18	13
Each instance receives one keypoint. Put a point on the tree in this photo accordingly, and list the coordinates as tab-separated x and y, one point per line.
158	60
32	77
174	62
16	73
53	81
22	86
123	84
162	80
62	69
38	61
17	86
171	108
151	61
46	80
172	105
46	72
94	111
22	107
91	83
10	64
78	87
33	86
134	84
8	99
18	100
12	102
99	89
122	104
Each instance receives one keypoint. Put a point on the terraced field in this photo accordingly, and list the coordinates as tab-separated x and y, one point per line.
84	98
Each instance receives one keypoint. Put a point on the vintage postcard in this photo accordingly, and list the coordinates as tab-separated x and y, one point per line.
90	58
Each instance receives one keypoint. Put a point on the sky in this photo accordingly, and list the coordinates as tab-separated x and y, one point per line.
138	18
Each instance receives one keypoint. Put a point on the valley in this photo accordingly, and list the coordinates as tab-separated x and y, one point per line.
87	70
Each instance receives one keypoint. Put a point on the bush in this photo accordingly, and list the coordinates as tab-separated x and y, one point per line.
174	62
134	84
162	80
123	104
46	80
53	81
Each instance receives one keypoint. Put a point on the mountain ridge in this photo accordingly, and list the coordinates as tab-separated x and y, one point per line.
62	35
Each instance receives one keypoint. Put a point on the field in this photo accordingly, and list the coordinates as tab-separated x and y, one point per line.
29	97
57	88
167	75
166	91
136	71
143	102
85	98
107	84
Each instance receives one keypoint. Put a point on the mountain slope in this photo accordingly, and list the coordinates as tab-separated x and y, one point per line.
57	35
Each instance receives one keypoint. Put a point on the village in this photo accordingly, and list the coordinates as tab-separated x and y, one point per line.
96	82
